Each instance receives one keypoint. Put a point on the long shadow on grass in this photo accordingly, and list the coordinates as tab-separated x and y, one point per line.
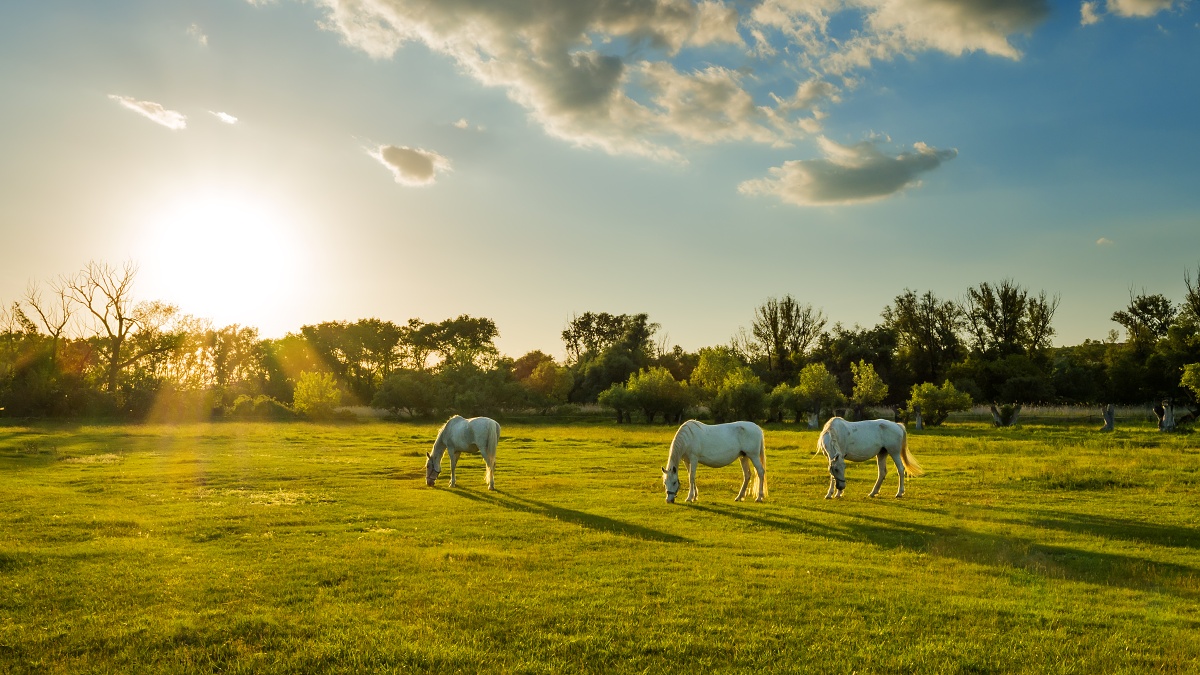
772	520
1174	536
1020	552
589	520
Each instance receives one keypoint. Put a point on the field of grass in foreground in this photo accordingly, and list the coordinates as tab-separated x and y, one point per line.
264	548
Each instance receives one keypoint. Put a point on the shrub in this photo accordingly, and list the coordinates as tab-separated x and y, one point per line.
741	396
259	408
656	391
937	402
1191	378
818	387
316	396
620	400
869	387
413	391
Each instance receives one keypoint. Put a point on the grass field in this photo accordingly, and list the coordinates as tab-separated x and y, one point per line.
298	548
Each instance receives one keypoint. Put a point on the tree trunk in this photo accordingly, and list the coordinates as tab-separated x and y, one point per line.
814	419
1166	420
1109	417
996	421
918	423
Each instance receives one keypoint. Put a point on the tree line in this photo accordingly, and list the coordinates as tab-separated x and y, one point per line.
83	345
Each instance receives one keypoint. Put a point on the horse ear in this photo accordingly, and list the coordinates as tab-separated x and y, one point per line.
429	455
663	470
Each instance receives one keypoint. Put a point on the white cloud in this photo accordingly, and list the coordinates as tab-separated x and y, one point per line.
1104	241
224	117
197	32
847	174
1138	8
168	118
1088	13
411	166
462	123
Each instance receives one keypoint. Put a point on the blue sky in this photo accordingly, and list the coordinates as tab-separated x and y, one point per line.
528	160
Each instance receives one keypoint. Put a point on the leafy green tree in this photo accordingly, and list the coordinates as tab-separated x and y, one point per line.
316	395
416	392
620	400
783	330
550	384
936	403
1146	319
818	388
1191	379
715	364
742	396
869	388
655	392
1004	319
524	366
927	329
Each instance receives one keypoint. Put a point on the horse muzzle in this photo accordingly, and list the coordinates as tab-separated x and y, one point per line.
670	498
429	482
841	484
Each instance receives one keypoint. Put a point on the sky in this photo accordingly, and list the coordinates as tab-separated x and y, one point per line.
276	164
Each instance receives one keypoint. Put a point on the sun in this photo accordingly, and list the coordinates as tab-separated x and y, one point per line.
226	256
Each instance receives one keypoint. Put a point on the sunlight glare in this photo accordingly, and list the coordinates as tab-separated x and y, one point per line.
227	257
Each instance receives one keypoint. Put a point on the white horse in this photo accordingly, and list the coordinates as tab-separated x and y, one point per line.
716	445
478	435
859	441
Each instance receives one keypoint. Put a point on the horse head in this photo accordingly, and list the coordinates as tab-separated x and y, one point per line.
671	483
433	467
837	461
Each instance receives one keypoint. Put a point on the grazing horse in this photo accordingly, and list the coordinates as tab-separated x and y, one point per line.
716	445
477	435
859	441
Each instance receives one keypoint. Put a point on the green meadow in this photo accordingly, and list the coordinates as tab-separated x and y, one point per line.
285	548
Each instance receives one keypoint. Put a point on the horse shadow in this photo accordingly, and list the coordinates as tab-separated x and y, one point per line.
584	519
1022	553
1106	527
775	521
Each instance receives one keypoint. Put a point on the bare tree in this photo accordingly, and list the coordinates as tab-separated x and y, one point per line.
54	311
1191	301
106	293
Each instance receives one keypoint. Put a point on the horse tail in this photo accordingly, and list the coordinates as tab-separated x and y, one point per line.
493	436
827	432
910	462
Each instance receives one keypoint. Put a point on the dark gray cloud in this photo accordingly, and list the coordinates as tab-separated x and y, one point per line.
847	174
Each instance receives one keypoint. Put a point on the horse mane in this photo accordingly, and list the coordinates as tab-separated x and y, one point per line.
684	437
832	437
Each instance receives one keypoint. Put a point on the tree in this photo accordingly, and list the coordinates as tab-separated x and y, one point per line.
416	392
1146	319
715	364
467	339
936	403
927	329
54	311
620	400
524	366
783	330
869	388
1191	379
106	294
817	388
317	395
550	384
742	396
1191	298
655	392
593	333
1004	319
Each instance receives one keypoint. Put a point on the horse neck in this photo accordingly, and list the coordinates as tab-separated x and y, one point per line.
676	454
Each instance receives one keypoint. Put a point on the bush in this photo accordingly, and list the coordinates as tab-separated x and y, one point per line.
818	387
741	396
937	402
869	387
316	396
620	400
262	408
655	391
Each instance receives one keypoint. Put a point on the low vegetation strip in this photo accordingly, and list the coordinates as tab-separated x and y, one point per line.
267	547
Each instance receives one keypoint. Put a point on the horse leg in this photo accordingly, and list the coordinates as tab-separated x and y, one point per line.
489	459
832	487
745	479
762	477
693	493
881	460
453	464
899	469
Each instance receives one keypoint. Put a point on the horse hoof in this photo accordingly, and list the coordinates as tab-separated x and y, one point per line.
872	495
759	500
